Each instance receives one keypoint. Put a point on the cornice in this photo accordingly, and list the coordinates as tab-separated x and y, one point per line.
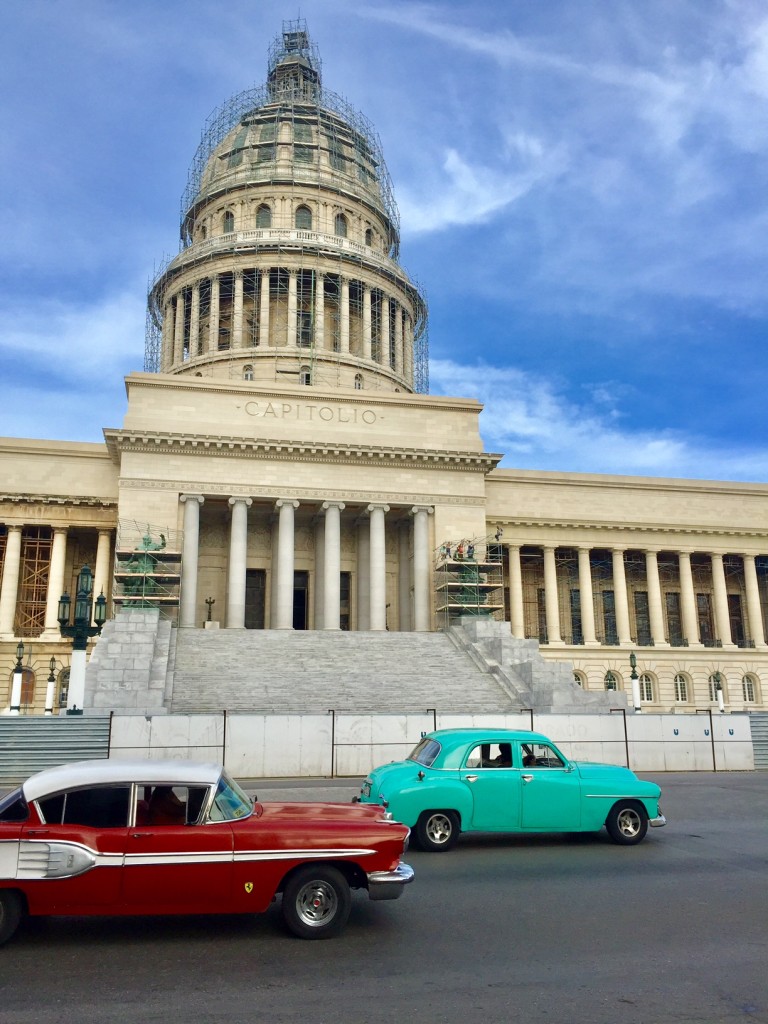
296	451
58	499
602	527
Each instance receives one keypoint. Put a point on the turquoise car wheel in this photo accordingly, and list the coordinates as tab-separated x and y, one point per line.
437	831
627	823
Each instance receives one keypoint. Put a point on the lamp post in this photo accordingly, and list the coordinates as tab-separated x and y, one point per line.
18	675
50	690
80	632
635	682
719	690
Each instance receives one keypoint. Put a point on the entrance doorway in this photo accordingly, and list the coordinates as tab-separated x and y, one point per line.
255	590
300	599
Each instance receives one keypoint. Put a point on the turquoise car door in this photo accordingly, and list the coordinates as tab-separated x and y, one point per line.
551	791
494	787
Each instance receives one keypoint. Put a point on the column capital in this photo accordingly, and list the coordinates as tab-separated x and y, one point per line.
374	506
429	509
192	497
281	502
333	504
235	498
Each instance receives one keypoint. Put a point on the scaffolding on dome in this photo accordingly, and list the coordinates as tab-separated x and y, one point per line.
334	148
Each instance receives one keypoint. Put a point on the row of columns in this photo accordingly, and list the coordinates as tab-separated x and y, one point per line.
371	565
179	327
655	598
12	562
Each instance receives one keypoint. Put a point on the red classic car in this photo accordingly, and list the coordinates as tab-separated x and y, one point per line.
174	837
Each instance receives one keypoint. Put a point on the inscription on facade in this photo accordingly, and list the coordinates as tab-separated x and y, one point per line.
307	412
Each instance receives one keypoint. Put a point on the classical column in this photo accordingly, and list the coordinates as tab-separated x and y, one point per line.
10	586
688	600
408	347
722	615
319	309
620	597
551	597
344	317
754	611
655	608
166	345
189	556
421	568
264	308
399	339
178	329
384	349
363	575
332	565
586	599
101	571
366	321
378	579
516	610
291	330
194	321
213	323
56	578
404	575
238	554
318	523
283	619
237	311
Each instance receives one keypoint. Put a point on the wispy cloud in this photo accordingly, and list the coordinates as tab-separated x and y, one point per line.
529	418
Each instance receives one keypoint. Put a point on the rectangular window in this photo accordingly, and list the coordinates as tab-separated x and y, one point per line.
610	634
541	607
736	617
705	619
642	619
674	619
577	635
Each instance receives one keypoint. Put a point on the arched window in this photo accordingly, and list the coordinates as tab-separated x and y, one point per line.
646	688
712	682
681	689
304	218
228	223
248	372
340	225
358	382
611	681
580	679
368	236
305	376
264	216
63	685
203	233
748	689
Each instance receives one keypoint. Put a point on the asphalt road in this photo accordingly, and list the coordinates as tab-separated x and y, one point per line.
555	929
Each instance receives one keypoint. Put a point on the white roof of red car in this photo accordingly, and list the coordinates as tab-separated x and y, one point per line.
114	770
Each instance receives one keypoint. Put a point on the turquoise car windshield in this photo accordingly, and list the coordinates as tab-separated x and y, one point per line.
230	802
425	752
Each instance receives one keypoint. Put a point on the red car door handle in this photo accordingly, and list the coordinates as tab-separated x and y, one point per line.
141	835
37	832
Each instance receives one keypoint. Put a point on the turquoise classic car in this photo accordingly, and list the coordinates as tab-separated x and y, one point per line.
503	780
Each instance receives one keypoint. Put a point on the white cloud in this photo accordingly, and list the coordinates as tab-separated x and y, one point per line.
528	418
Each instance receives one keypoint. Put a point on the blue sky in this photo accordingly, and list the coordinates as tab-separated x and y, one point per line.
583	189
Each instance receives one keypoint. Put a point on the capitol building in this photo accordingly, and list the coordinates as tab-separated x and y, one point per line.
282	467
